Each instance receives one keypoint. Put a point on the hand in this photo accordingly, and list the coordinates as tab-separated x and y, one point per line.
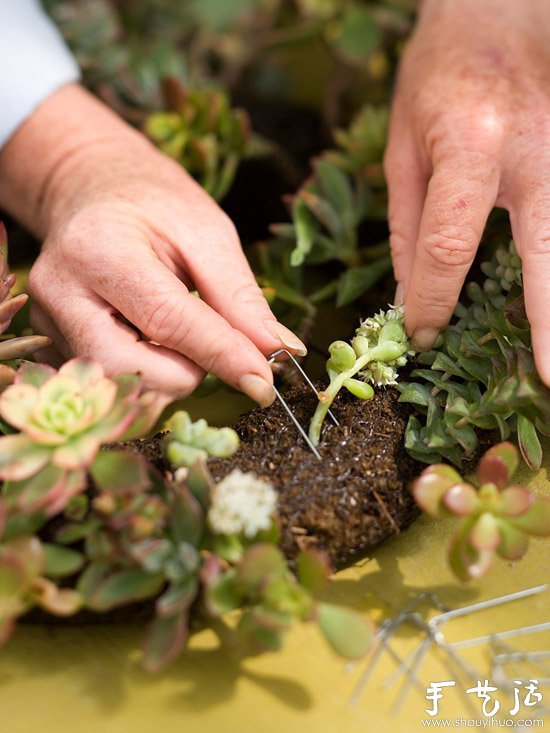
470	130
128	234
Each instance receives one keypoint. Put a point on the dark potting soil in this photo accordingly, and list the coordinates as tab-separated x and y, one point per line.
356	496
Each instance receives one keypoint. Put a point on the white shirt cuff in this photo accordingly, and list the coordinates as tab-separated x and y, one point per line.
34	62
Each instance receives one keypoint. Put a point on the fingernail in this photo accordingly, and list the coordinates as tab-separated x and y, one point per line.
286	337
424	338
258	389
399	297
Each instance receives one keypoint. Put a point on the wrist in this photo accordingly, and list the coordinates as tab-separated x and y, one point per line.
63	151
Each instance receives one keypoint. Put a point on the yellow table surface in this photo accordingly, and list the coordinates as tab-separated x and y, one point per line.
56	679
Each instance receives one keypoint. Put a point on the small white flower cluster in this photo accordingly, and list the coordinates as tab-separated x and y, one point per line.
370	326
382	374
242	503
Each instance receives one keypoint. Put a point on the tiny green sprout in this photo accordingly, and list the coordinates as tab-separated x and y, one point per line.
189	442
494	518
378	348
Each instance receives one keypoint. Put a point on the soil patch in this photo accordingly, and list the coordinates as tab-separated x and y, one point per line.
351	500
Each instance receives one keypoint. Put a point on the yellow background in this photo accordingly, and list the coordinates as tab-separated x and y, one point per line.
59	680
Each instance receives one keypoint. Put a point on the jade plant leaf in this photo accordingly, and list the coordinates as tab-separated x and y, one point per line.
120	471
166	637
61	561
313	569
498	465
123	586
347	632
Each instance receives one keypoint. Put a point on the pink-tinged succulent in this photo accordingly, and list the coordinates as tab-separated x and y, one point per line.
63	418
12	348
22	585
494	518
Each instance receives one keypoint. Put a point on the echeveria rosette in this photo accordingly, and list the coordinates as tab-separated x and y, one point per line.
494	518
63	418
379	347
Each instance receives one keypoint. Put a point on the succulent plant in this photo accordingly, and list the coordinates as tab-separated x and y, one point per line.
495	518
242	503
145	538
205	134
480	375
24	563
188	441
63	418
379	347
12	348
345	188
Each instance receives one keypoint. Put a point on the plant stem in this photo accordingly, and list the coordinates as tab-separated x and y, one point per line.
326	398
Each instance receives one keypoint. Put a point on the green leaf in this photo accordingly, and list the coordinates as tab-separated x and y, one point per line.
358	35
258	563
356	281
177	598
313	569
223	594
305	223
498	465
187	520
529	443
416	394
347	632
165	640
61	561
124	586
359	389
119	471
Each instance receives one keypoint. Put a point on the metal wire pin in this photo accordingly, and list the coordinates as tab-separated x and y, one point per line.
283	402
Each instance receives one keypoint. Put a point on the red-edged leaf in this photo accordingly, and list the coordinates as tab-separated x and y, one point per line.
433	482
498	465
165	640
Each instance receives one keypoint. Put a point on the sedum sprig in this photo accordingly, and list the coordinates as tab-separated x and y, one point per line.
379	347
494	518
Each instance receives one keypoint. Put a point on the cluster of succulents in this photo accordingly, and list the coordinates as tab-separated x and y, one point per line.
379	347
59	422
493	518
480	375
204	133
119	531
12	348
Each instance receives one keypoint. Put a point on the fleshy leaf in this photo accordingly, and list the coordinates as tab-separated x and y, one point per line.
348	633
259	562
529	443
485	535
59	601
513	542
119	471
461	499
313	569
61	561
165	640
498	465
536	520
124	586
515	500
431	485
20	458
